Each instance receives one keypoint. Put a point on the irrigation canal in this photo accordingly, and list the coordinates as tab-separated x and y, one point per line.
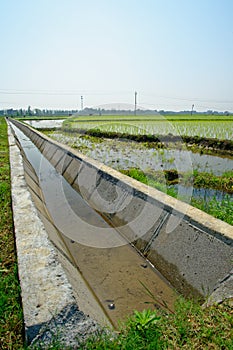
116	273
122	155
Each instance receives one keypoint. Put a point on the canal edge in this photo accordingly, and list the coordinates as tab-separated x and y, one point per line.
49	304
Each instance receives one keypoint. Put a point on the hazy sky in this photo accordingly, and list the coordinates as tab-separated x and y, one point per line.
174	53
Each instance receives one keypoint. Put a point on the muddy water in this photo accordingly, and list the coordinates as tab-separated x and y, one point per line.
117	274
121	154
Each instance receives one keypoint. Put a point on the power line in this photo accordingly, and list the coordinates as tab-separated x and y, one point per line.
46	92
196	99
73	93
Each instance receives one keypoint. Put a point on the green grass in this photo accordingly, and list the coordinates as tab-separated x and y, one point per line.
159	183
191	327
222	210
11	318
160	179
208	180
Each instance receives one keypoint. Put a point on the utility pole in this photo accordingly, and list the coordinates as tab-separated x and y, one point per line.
135	103
192	110
81	103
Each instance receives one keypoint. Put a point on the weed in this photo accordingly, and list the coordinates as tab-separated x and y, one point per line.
143	320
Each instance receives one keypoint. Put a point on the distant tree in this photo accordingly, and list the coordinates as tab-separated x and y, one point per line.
29	111
19	112
38	111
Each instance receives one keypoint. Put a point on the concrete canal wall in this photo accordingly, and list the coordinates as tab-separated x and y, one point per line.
51	307
191	249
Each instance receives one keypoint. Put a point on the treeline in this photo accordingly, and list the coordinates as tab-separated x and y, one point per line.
29	112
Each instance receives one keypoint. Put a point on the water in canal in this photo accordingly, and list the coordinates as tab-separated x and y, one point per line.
114	270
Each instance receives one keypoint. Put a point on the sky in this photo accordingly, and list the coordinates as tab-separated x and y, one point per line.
173	53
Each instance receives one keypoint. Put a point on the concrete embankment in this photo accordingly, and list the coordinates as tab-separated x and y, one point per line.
191	249
49	303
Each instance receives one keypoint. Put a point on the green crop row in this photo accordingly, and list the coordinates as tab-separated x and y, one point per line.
139	117
218	129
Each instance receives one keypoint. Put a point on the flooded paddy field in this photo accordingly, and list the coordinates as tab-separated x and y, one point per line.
44	124
221	129
124	155
191	160
204	180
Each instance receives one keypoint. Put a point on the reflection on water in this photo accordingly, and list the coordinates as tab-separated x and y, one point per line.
45	124
124	155
202	193
69	212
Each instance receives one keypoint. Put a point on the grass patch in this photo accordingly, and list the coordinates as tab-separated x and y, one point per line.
190	327
158	182
11	317
161	180
222	210
207	180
